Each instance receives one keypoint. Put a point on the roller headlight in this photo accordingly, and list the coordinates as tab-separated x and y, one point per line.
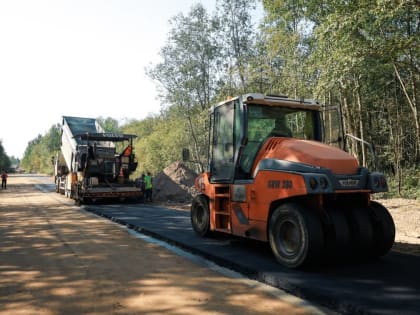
323	183
318	183
377	182
313	183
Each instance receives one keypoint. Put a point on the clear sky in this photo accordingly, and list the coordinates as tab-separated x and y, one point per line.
78	58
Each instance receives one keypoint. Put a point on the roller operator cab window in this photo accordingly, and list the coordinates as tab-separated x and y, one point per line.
270	121
273	121
222	155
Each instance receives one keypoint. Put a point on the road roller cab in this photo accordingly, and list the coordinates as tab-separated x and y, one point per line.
271	178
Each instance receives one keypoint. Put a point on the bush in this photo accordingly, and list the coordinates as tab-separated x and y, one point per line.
410	185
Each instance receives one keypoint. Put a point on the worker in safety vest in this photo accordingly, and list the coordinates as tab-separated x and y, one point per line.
148	183
127	151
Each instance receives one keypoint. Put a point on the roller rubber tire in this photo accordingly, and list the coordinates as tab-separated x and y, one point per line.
296	236
200	215
361	232
384	229
339	245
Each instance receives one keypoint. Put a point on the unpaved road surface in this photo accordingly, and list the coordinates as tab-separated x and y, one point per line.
57	259
406	215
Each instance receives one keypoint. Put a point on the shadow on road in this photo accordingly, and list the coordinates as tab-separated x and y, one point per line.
56	259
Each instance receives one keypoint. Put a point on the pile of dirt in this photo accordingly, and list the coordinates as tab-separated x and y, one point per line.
174	184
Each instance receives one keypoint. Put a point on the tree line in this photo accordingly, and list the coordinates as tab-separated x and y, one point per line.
5	161
360	56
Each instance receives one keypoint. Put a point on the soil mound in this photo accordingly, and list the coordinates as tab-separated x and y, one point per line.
174	184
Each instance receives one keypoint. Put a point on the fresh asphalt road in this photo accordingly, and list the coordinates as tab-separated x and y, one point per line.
390	285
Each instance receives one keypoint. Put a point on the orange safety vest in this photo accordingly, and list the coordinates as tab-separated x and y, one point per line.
127	151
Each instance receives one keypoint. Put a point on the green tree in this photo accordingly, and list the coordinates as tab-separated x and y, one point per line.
39	151
14	161
285	38
160	138
109	124
4	158
187	75
395	37
364	60
236	37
